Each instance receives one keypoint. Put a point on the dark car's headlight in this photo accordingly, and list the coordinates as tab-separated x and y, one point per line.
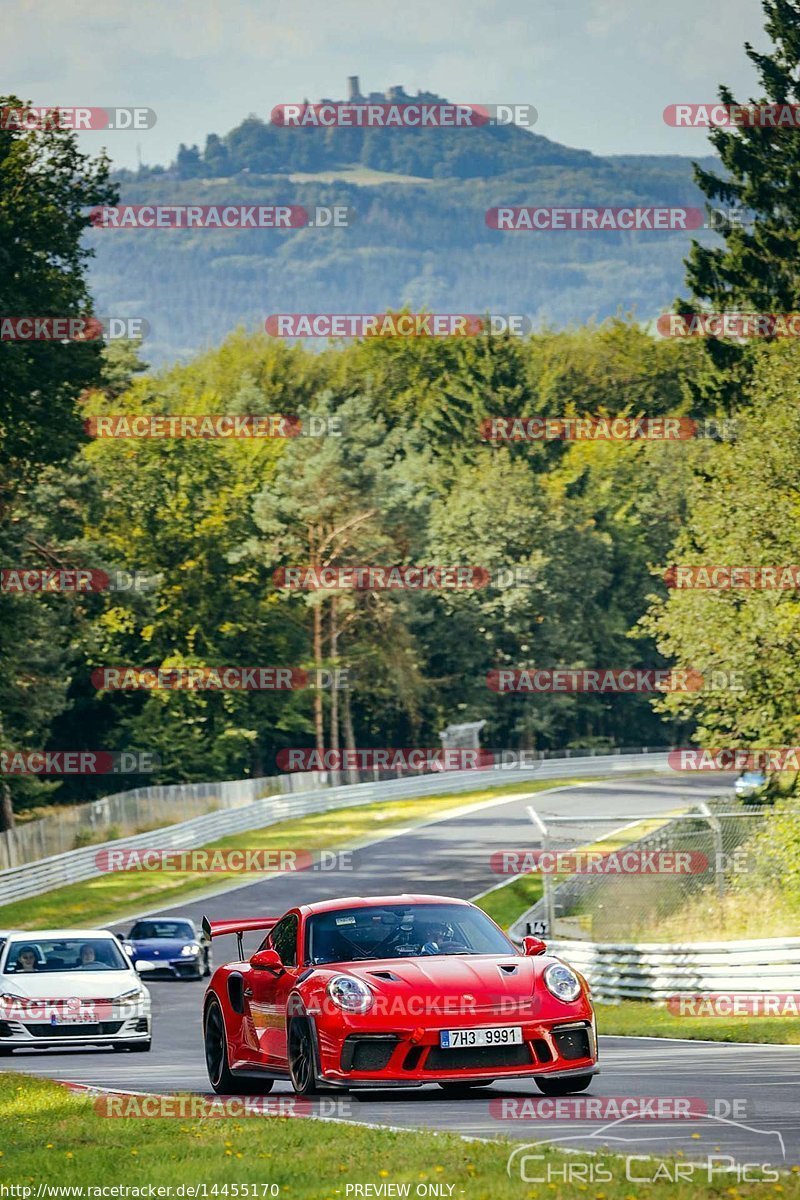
562	982
350	994
190	950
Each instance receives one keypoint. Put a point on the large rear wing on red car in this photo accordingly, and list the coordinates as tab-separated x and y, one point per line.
214	929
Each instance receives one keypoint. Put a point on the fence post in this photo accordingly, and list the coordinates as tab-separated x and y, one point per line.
10	848
716	833
547	889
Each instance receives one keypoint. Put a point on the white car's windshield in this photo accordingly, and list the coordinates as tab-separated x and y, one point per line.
401	931
36	954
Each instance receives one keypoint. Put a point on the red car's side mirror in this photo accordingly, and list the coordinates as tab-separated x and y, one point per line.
532	946
266	960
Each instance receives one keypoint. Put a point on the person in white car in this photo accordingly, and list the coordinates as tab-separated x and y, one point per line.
26	959
70	988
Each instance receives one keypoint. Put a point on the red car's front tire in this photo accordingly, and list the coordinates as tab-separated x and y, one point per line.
300	1045
563	1087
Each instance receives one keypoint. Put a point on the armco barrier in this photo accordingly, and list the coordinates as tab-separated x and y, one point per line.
73	866
655	971
132	811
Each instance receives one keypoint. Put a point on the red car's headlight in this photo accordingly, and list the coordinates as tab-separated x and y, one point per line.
562	982
350	994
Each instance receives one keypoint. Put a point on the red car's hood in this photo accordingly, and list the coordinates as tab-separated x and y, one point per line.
481	981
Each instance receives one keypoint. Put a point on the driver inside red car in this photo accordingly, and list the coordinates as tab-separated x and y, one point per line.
437	937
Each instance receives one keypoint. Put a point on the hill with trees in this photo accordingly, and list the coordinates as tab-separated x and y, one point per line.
419	235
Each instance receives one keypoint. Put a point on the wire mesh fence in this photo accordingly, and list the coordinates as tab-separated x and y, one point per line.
137	811
647	879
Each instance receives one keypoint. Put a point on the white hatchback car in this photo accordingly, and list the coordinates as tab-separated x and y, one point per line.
70	987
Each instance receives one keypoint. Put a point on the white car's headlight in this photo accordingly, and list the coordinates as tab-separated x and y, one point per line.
192	948
562	982
350	994
134	994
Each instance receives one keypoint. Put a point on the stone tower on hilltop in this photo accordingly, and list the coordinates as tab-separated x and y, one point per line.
395	94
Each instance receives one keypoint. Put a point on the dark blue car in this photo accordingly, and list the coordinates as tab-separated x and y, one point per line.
170	947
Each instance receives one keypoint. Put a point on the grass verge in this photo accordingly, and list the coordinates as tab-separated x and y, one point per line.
52	1137
634	1018
504	904
766	912
115	895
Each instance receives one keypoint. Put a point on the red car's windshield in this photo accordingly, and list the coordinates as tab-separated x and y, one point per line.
401	931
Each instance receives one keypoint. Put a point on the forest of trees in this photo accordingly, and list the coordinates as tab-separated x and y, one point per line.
589	526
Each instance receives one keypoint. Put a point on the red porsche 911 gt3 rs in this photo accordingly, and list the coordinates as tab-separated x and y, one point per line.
394	991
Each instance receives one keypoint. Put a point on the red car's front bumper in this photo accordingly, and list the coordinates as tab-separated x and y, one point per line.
410	1057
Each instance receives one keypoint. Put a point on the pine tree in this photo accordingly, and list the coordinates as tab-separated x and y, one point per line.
757	268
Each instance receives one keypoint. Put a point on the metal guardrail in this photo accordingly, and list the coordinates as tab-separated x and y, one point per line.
125	814
652	971
74	866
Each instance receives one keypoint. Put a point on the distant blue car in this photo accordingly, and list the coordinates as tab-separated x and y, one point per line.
169	947
750	785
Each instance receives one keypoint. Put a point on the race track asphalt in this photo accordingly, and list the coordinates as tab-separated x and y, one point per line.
744	1097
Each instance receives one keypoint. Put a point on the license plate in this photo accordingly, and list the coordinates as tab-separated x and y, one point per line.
74	1019
498	1035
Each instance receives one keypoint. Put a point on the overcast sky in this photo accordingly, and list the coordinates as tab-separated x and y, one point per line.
600	72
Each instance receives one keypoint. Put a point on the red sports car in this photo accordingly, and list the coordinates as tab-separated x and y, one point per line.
394	991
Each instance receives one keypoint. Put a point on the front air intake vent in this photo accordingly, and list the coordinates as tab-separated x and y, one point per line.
367	1051
573	1042
477	1057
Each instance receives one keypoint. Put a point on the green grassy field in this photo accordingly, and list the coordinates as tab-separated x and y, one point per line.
49	1136
359	175
648	1020
762	913
504	904
118	894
